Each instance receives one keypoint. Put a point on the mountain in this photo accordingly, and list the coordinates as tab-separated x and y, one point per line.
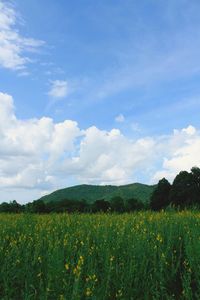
91	193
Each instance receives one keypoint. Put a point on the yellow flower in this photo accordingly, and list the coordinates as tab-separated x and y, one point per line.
81	260
67	267
94	277
159	238
112	258
88	292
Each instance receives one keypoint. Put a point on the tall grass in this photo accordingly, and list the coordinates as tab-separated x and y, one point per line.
131	256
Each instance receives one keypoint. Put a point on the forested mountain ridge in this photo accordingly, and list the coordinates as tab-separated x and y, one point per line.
91	193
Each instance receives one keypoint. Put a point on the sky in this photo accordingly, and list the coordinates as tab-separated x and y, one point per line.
97	92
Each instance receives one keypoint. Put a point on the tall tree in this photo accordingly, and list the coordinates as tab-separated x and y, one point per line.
182	192
160	196
196	184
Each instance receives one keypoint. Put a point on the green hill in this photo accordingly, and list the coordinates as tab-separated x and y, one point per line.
91	193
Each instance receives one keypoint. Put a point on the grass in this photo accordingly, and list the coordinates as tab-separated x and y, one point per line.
131	256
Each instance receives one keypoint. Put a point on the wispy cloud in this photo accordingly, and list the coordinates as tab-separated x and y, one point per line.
13	46
59	89
120	118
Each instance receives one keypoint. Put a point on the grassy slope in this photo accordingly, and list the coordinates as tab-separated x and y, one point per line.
94	192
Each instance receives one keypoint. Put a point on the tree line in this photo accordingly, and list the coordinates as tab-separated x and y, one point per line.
184	192
116	204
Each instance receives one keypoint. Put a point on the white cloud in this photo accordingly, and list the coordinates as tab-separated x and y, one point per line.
190	130
38	155
120	118
30	149
59	89
182	153
109	157
13	46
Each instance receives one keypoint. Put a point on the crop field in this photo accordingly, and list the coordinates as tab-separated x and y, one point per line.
142	255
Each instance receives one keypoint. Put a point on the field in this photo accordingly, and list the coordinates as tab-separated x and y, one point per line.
130	256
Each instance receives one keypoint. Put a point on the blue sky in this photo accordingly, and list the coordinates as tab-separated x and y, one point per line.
128	66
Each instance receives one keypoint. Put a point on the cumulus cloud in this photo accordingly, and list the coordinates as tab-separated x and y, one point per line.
41	155
13	46
59	89
182	152
30	149
108	157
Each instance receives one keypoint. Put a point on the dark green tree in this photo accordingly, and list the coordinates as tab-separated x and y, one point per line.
160	196
195	171
183	190
12	207
4	207
100	205
15	207
133	204
38	206
117	204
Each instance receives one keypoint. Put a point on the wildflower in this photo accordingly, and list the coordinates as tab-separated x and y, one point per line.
112	258
67	267
159	238
77	269
88	292
119	294
94	277
81	259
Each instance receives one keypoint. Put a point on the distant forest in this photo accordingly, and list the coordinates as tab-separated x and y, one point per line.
183	193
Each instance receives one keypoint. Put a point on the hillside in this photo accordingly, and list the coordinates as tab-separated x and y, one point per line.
90	193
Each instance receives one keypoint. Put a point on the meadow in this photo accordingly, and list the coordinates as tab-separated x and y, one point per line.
141	255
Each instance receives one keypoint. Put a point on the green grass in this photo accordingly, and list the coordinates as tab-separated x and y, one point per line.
92	193
131	256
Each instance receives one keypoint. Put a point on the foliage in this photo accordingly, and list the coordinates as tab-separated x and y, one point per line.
93	193
181	192
160	196
12	207
134	205
184	192
117	204
186	188
100	206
